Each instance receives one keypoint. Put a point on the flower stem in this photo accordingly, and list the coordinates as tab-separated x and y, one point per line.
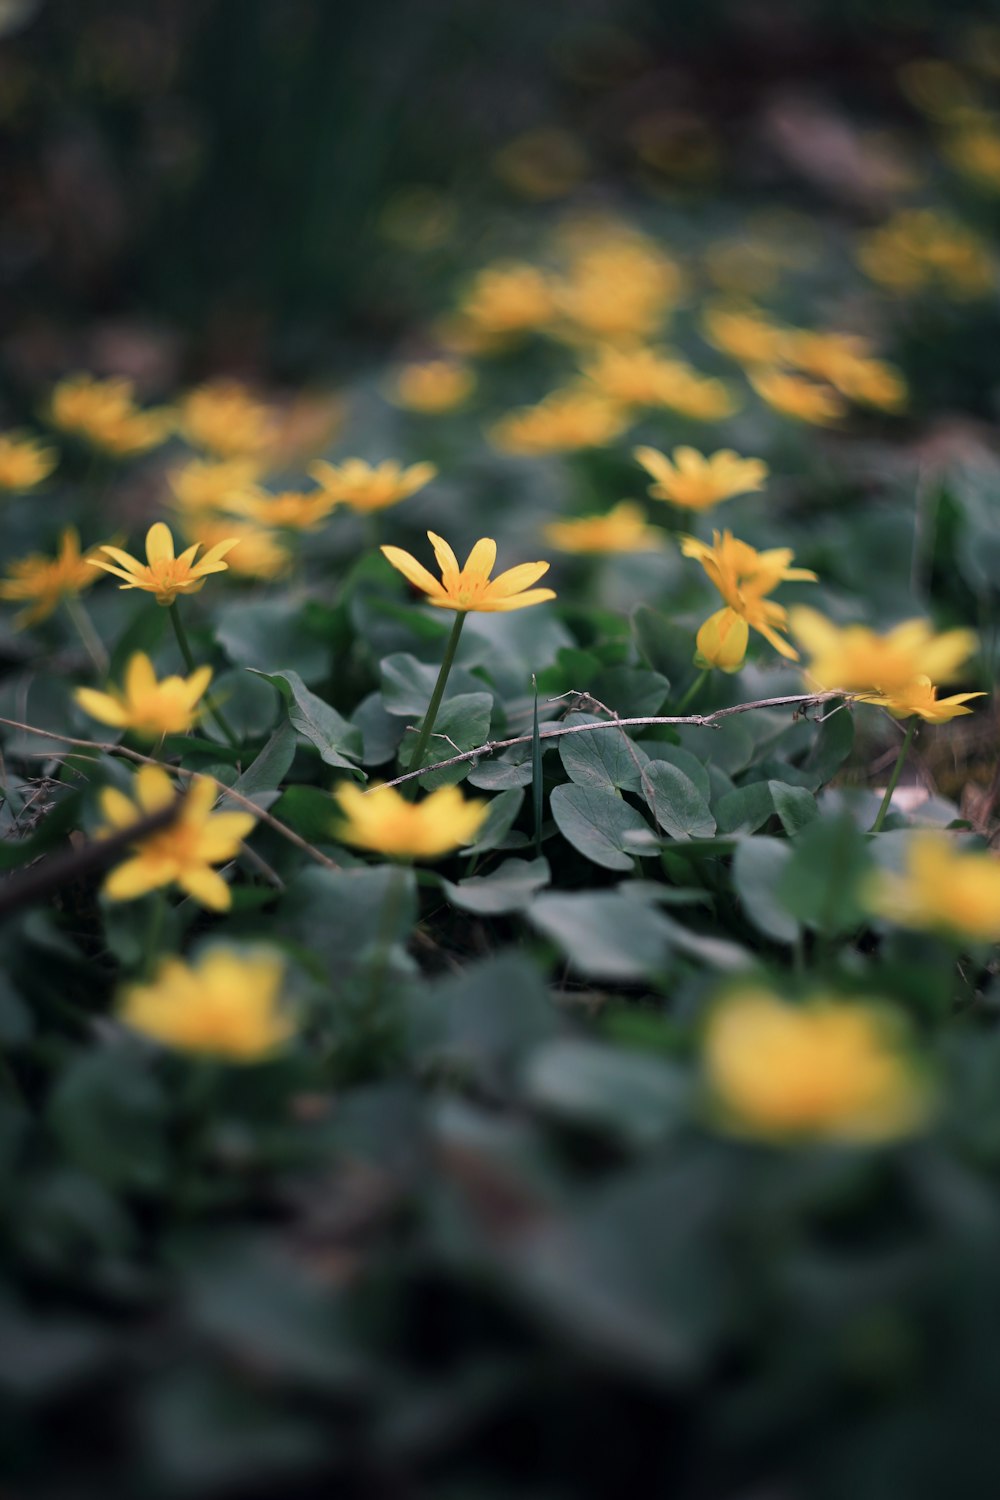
427	727
192	666
692	692
84	627
894	778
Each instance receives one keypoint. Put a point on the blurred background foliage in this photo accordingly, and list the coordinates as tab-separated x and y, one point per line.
265	183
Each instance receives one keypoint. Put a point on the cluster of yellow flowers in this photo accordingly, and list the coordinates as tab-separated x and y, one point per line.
921	250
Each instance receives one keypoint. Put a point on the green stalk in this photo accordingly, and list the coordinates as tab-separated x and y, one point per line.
692	692
84	627
427	727
894	778
192	666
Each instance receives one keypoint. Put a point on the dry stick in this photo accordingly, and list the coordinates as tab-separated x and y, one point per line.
147	760
49	875
800	701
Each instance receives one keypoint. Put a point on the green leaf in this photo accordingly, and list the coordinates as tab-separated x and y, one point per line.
606	758
107	1113
380	732
342	914
499	821
603	935
267	635
508	888
144	632
664	646
631	692
694	769
633	1096
407	684
794	805
677	804
537	786
271	766
462	723
746	809
759	865
821	881
833	745
597	823
322	726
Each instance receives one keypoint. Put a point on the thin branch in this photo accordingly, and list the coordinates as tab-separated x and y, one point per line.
148	760
801	702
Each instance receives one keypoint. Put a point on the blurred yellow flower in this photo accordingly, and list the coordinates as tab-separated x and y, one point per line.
845	361
206	484
640	376
795	397
104	414
227	1005
44	582
225	418
291	510
435	385
255	552
895	670
744	577
162	573
370	487
976	153
563	422
744	333
184	852
148	707
385	822
920	249
942	889
24	461
619	287
470	589
623	529
826	1070
541	164
697	482
506	300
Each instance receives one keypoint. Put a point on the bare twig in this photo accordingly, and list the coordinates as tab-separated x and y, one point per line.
801	702
147	760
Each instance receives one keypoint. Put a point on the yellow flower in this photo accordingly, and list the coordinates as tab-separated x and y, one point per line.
437	385
744	333
896	670
24	461
619	288
291	510
223	417
565	421
698	483
104	414
256	552
507	299
942	889
976	153
148	707
701	397
827	1070
470	588
919	249
370	487
184	852
744	576
228	1005
845	361
202	484
722	641
633	376
384	821
798	398
162	573
44	582
622	529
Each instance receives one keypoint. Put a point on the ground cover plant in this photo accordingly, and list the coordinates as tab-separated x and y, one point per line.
500	902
